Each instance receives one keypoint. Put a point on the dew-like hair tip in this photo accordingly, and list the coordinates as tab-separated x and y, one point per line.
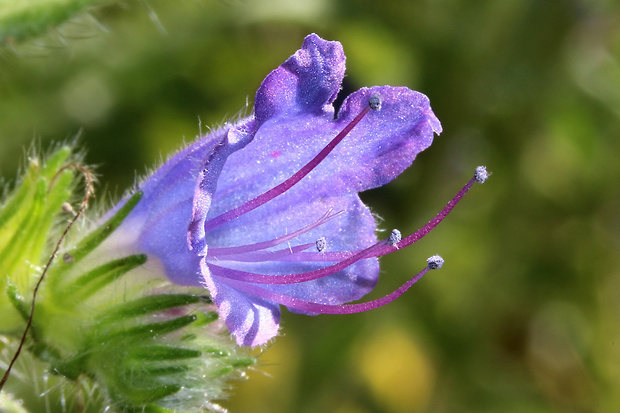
375	101
321	244
66	207
481	174
394	238
435	262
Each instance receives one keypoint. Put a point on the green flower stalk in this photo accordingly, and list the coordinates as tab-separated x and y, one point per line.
107	325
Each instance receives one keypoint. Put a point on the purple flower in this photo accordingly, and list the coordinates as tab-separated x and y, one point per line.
266	212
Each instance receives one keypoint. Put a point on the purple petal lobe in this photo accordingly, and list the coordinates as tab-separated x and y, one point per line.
307	82
372	154
253	321
387	141
236	138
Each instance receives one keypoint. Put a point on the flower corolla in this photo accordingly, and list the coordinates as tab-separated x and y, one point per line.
265	212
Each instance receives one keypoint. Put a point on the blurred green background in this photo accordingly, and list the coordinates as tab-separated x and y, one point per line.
524	316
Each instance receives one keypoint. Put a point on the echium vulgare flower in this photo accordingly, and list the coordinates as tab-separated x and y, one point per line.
265	212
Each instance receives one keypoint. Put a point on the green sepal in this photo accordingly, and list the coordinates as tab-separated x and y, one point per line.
206	318
28	221
44	351
233	364
164	371
146	331
26	234
71	369
96	279
15	202
157	353
216	352
128	344
147	305
129	394
95	238
18	303
242	362
31	231
56	160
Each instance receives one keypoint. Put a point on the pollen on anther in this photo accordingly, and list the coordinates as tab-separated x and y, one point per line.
481	174
435	262
394	238
321	244
375	101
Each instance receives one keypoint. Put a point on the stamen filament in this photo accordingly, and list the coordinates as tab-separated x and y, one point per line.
242	249
387	248
260	256
419	234
249	277
311	307
380	248
325	256
289	183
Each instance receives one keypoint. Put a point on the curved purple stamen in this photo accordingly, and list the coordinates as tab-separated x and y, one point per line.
250	277
289	183
419	234
260	256
303	305
243	249
380	248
